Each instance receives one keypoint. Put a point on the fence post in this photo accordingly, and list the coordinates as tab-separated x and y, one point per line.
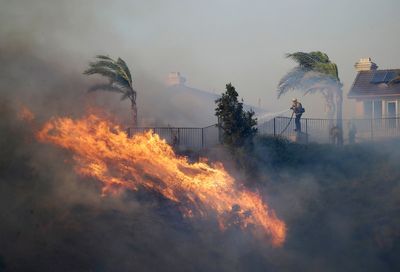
274	127
179	137
306	130
202	138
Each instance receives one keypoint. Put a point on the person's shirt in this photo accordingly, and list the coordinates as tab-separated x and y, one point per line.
297	108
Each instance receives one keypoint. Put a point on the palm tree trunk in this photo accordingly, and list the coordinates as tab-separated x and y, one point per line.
339	115
134	113
330	104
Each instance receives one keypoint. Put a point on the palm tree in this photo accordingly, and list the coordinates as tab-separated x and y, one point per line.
316	73
120	79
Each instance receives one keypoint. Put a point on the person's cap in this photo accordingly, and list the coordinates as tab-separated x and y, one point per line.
294	100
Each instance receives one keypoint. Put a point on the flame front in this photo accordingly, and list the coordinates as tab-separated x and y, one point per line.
103	151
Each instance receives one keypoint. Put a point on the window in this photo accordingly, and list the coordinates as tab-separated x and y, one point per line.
391	109
391	113
373	109
377	109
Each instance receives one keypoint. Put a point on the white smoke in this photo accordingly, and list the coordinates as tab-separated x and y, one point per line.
270	115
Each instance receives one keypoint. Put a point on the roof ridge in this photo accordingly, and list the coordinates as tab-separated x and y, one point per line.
379	70
390	69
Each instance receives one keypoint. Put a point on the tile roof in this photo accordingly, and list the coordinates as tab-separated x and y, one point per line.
364	85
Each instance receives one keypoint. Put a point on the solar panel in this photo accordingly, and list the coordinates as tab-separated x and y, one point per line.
379	77
390	76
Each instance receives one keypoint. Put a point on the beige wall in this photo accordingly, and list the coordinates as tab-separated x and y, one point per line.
359	109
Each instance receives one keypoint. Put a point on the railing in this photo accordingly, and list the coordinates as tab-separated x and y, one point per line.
184	137
313	130
323	130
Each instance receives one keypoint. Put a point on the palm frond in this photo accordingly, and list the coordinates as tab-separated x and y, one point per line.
119	67
105	64
105	87
121	82
119	76
329	69
290	81
104	57
305	81
304	60
322	83
100	70
313	90
310	60
115	70
111	74
319	57
122	64
315	76
126	95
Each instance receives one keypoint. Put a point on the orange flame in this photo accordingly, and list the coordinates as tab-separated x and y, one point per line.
102	150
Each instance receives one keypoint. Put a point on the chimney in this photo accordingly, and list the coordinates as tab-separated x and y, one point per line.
365	64
175	78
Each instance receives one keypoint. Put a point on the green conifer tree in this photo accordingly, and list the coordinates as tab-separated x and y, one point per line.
237	125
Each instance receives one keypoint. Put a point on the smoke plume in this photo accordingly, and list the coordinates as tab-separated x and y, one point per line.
340	205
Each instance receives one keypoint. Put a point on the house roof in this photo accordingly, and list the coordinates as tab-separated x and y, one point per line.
374	83
197	94
186	106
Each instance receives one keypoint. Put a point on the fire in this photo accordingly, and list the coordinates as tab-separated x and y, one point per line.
102	150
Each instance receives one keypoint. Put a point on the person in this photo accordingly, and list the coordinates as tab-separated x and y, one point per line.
335	133
298	110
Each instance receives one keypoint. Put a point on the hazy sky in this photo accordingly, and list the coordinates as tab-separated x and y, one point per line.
211	42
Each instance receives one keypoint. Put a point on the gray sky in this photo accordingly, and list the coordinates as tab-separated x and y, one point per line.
212	42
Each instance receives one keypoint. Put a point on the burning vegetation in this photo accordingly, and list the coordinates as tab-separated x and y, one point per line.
340	205
102	150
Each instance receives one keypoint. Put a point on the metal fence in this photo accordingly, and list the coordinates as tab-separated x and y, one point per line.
322	130
184	137
313	130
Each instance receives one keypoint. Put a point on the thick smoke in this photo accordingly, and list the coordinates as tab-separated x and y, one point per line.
340	206
47	46
53	220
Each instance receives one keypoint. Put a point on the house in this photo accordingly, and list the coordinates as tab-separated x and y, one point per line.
187	106
375	95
